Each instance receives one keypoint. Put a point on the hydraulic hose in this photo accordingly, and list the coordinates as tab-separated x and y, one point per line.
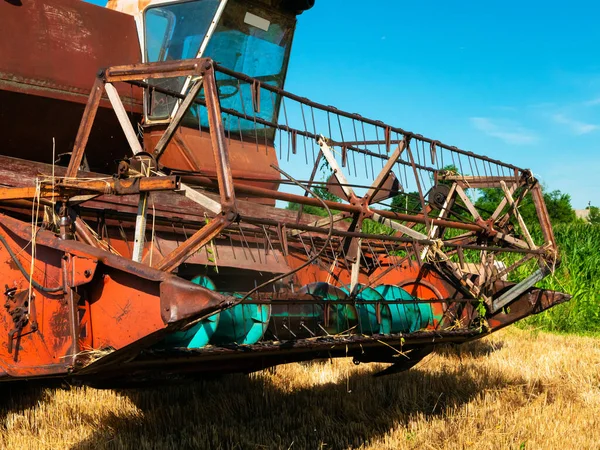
26	274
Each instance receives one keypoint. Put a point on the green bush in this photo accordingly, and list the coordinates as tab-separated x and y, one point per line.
578	275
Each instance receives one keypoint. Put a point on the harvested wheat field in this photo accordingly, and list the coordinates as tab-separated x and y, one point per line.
517	389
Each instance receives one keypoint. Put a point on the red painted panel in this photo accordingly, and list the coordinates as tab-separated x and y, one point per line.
55	47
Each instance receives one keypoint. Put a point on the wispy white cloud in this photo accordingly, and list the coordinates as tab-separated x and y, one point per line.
542	105
505	131
505	108
593	102
575	126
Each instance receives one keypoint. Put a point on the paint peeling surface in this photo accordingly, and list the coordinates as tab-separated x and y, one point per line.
129	6
58	46
67	29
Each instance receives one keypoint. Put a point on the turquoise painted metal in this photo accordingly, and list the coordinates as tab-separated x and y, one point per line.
244	324
406	318
199	335
341	318
367	314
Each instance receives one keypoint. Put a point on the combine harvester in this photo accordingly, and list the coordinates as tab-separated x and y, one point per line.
187	215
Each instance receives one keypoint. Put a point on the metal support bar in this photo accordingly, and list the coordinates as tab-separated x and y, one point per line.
200	198
427	221
202	237
518	289
356	267
543	216
398	226
176	120
140	228
337	170
511	201
389	165
503	203
442	215
124	121
74	187
219	142
83	134
467	201
163	69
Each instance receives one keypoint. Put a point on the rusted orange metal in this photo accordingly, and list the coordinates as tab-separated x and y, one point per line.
287	285
46	70
110	290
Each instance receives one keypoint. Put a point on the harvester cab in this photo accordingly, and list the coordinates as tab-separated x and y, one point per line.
246	226
250	37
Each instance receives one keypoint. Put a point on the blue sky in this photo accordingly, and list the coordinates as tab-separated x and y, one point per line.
517	81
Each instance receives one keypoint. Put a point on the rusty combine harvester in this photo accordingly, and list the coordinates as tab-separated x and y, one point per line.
186	215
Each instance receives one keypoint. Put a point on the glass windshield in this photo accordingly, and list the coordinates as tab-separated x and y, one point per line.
249	38
175	32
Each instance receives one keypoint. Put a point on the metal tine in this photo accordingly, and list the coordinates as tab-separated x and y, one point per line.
280	133
365	140
417	151
264	128
481	167
454	163
240	128
304	137
348	265
334	254
312	242
497	168
485	172
405	170
409	255
436	153
473	172
375	258
256	134
246	242
258	251
280	232
287	124
462	171
329	125
417	249
305	150
340	125
243	111
378	140
288	145
425	182
270	245
378	151
389	255
354	153
294	137
232	246
364	258
304	246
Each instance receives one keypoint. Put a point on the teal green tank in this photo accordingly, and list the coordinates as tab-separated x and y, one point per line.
406	318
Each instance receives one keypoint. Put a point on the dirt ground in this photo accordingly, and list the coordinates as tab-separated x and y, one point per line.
514	390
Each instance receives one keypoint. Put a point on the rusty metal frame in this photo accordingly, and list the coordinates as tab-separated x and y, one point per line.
201	72
427	248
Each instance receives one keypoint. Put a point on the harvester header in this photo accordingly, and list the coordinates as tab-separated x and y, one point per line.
226	224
